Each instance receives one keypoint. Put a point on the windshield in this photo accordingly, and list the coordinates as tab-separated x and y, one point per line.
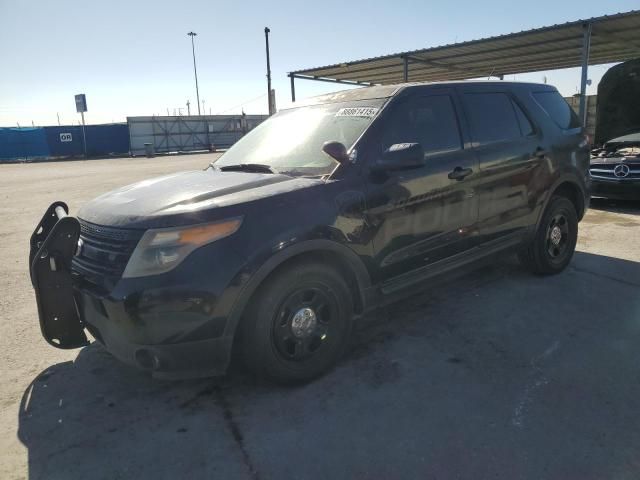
291	141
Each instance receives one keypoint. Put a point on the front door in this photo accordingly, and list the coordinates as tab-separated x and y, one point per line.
421	215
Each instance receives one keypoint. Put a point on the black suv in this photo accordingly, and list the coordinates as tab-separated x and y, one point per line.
318	215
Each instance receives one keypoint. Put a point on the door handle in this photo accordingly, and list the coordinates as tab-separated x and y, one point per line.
540	152
459	173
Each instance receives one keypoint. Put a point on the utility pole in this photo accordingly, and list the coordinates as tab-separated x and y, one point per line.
195	72
84	136
266	38
188	108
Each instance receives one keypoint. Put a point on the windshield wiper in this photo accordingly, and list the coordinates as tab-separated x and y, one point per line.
247	167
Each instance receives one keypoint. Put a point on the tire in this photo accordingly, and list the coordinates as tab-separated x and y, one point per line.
298	325
554	243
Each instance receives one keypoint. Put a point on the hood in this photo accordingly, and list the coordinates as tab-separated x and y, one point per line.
618	102
178	197
630	140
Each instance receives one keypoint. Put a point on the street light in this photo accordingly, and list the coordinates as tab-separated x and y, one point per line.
269	99
195	72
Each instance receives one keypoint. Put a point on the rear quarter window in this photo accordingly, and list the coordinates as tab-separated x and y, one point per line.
558	109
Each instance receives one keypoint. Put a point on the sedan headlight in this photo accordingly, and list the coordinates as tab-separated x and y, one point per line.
160	250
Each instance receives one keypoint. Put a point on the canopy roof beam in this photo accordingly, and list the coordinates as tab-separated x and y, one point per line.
586	46
593	41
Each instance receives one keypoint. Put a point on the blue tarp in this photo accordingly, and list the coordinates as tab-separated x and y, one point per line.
23	143
101	140
63	141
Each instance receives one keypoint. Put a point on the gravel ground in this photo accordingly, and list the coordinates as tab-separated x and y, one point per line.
497	374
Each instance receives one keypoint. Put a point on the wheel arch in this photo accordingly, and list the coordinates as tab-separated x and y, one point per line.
573	192
325	251
569	187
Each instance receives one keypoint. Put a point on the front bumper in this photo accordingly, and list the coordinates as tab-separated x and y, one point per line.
110	324
174	325
628	189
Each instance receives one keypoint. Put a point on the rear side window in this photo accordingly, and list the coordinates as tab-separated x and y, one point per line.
558	109
492	117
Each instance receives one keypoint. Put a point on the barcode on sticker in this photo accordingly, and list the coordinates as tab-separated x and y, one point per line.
366	112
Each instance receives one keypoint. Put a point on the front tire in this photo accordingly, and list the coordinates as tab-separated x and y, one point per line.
554	242
298	324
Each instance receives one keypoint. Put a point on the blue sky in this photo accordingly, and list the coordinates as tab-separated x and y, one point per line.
134	57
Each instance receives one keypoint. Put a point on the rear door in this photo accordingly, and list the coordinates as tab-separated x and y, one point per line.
509	151
424	214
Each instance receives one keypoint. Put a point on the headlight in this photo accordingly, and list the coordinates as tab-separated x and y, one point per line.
160	250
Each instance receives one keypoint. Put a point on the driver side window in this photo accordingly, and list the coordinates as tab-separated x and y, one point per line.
430	121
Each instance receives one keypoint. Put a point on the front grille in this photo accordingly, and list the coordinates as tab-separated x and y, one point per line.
606	170
104	253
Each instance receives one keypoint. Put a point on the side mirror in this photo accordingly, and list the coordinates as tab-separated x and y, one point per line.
400	156
337	151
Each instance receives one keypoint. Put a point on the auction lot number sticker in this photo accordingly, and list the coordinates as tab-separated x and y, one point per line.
366	112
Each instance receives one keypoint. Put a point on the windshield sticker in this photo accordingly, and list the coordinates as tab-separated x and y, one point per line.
366	112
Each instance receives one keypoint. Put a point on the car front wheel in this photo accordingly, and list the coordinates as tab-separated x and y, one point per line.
299	323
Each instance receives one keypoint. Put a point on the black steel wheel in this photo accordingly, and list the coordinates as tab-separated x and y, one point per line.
305	322
554	242
299	323
557	236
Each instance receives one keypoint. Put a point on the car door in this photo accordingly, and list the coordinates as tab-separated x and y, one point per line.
508	148
420	216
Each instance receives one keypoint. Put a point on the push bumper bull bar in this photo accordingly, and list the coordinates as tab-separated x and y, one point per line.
52	247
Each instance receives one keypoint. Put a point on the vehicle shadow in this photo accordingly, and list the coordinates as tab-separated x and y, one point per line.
452	370
630	207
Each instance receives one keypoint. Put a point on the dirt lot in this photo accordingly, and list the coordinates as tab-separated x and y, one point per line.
495	375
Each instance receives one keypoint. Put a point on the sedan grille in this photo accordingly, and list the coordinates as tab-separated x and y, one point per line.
630	171
104	253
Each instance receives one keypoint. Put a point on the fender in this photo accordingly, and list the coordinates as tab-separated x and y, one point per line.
564	178
305	246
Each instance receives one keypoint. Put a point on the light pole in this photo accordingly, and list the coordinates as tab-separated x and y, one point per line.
195	72
266	38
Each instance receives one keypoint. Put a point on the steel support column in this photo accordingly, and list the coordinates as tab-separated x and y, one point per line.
405	73
293	88
586	47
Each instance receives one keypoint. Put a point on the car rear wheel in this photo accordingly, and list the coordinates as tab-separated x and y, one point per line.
298	324
555	240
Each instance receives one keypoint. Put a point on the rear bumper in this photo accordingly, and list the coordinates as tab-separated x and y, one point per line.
619	189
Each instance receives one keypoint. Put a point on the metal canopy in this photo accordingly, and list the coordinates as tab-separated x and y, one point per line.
613	38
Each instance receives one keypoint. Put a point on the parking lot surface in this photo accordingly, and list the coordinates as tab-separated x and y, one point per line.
497	374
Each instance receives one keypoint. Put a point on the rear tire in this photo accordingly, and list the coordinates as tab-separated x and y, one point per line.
554	242
298	324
